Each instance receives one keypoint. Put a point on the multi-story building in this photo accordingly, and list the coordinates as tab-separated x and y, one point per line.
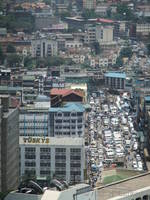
104	34
9	146
89	4
61	158
143	29
43	47
90	33
33	121
68	120
115	80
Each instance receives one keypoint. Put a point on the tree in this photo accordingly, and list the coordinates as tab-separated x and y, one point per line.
119	62
148	48
28	62
96	48
11	48
14	60
126	52
89	14
124	13
48	2
2	56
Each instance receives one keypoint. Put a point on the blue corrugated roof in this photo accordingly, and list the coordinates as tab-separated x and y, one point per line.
69	107
147	98
115	74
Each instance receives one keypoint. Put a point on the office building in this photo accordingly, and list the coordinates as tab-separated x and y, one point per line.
33	121
61	158
68	120
115	80
9	146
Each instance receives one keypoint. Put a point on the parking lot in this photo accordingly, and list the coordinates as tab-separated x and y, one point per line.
113	140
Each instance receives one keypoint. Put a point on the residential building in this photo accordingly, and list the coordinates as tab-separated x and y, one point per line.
68	120
43	47
80	191
89	4
90	34
61	96
61	158
101	9
73	44
143	29
104	34
115	80
9	145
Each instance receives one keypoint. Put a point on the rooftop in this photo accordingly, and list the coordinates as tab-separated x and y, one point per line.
52	141
69	107
124	187
64	92
115	74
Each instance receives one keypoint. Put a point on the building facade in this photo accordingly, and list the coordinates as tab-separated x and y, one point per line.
104	34
9	146
43	47
115	80
61	158
68	120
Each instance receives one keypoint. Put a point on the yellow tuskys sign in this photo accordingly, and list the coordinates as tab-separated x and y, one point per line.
36	140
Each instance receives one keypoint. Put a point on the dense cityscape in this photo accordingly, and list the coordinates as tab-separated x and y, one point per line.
75	99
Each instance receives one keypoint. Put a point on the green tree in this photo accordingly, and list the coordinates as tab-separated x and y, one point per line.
2	56
96	48
48	2
126	52
11	48
124	13
14	60
88	14
28	62
148	48
119	61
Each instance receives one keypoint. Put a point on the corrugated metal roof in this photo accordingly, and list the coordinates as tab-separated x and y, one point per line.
69	107
115	74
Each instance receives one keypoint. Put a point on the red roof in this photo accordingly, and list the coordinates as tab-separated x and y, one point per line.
64	92
104	20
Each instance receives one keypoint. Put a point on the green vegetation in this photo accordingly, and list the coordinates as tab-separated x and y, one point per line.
124	13
3	195
89	14
11	49
113	178
96	47
48	2
18	21
148	48
2	56
119	61
14	60
126	52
